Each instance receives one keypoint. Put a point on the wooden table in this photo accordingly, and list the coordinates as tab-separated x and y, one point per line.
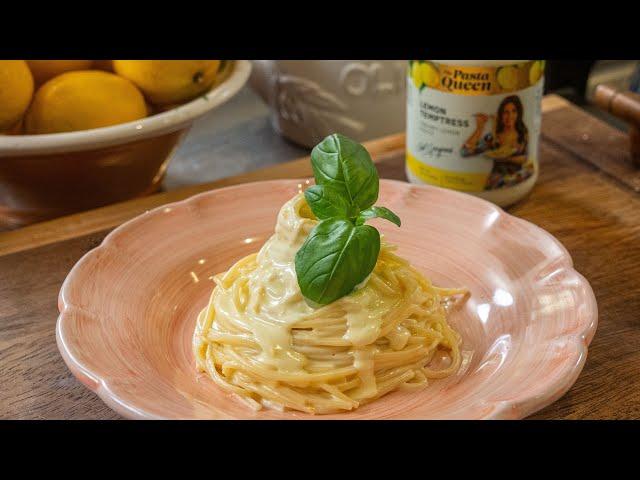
587	196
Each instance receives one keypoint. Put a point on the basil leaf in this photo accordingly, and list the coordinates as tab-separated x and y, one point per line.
326	201
346	165
335	257
377	212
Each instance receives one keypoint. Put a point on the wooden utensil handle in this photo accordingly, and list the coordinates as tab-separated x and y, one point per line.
624	105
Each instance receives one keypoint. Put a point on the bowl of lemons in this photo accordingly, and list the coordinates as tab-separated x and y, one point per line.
79	134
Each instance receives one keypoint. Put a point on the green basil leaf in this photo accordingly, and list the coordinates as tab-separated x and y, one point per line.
336	256
326	201
347	166
377	212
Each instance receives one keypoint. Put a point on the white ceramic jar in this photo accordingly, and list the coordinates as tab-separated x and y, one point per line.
474	126
310	99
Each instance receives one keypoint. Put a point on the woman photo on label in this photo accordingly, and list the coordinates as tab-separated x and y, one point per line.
506	145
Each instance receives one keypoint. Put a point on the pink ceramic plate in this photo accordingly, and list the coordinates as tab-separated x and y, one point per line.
128	308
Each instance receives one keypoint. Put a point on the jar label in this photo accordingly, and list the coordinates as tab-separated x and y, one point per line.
473	128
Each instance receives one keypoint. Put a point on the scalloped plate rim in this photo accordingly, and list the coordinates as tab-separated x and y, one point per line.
501	410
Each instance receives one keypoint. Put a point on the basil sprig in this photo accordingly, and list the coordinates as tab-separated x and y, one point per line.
340	252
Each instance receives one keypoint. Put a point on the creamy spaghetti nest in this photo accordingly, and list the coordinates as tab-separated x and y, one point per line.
261	340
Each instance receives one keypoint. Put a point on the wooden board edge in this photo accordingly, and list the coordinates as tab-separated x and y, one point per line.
554	102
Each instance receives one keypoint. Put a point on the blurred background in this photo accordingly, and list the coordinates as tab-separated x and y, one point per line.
176	123
218	132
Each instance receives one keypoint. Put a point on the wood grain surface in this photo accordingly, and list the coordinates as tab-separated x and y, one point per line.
596	216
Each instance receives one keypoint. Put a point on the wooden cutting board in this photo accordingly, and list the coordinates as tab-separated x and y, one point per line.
587	196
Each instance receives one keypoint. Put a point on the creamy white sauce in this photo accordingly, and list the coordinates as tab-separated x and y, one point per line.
398	337
276	303
364	363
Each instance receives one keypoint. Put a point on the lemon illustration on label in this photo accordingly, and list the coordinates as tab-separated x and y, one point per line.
430	74
508	77
535	72
416	74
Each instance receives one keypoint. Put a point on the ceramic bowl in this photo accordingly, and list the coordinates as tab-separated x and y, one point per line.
128	308
46	176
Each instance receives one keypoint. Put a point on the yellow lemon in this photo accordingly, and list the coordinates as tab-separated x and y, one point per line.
169	81
416	74
508	78
535	72
430	75
44	70
83	100
16	90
